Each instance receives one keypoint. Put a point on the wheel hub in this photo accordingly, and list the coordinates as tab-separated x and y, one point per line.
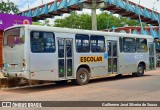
83	77
140	70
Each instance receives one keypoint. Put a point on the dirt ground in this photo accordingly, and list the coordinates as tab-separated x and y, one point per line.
126	88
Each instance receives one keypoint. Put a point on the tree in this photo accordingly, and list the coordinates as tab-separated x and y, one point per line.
8	7
37	23
83	21
44	23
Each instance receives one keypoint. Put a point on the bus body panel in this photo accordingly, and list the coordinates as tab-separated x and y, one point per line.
97	68
130	61
14	56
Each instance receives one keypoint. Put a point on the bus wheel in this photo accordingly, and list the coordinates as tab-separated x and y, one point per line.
82	77
140	71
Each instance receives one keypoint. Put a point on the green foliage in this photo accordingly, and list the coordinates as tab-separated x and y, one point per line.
8	7
37	23
83	21
45	23
105	20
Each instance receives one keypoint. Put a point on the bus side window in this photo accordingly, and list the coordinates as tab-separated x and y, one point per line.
82	43
97	43
49	45
141	45
36	43
42	42
129	45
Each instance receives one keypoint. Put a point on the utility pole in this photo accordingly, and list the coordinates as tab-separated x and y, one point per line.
42	2
28	4
140	17
94	20
158	19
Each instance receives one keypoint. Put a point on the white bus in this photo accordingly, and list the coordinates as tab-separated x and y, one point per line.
61	54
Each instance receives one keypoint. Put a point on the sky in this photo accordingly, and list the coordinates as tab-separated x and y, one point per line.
23	5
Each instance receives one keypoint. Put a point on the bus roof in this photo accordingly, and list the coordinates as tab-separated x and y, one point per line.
79	31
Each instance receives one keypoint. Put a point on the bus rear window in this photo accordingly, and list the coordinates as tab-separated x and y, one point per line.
14	37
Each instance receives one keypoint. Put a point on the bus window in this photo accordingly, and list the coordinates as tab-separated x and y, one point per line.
82	43
114	49
97	43
61	48
141	45
69	48
109	45
129	45
14	37
42	42
121	44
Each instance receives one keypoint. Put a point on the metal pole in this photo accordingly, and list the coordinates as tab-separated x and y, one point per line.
42	2
140	18
94	20
28	4
140	21
158	19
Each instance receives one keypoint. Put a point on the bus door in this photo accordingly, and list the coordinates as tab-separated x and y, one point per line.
65	58
112	56
151	56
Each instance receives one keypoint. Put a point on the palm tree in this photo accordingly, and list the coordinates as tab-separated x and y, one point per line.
8	7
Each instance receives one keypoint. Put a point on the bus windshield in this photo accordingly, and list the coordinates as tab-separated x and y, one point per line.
14	37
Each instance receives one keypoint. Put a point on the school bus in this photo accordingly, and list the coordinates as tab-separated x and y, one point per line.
62	54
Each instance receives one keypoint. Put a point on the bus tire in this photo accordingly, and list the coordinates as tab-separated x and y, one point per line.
82	76
140	71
